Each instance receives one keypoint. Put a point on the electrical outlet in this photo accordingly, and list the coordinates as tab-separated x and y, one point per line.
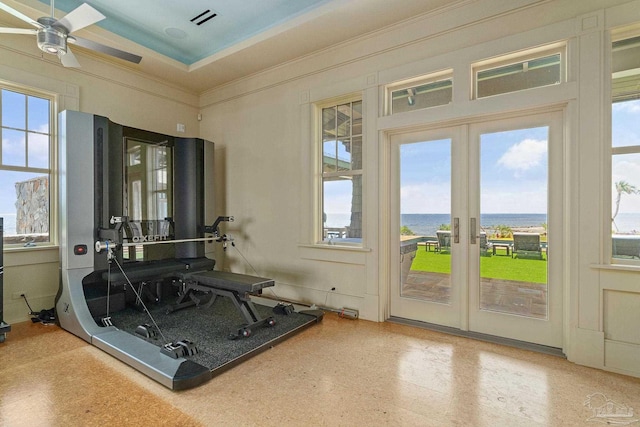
18	295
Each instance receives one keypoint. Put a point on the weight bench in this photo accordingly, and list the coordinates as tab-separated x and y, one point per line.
238	287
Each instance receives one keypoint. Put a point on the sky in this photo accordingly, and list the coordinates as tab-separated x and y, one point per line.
513	173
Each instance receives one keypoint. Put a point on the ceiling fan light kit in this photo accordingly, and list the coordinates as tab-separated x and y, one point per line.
52	39
53	34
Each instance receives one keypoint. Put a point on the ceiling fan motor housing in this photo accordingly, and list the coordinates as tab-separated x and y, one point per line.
52	39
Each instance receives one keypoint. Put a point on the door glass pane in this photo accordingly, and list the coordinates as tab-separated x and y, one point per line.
425	213
513	222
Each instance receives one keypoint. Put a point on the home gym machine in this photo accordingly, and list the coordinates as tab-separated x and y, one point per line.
133	212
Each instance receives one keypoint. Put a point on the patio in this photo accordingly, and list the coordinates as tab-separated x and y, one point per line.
506	296
509	285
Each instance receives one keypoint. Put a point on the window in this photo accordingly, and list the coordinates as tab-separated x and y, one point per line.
26	123
521	73
625	151
429	91
342	173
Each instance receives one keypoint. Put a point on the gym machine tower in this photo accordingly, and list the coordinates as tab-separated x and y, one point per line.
120	184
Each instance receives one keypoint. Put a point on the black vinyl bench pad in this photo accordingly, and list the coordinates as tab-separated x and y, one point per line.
234	282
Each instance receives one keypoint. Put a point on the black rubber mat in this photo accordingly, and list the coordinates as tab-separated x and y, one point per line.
209	329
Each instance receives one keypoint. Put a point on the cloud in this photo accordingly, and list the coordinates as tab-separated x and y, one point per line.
13	149
426	198
524	155
631	107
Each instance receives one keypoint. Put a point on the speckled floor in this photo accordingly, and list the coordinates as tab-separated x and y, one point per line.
338	373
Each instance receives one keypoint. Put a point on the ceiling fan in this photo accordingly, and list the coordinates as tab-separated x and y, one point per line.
53	35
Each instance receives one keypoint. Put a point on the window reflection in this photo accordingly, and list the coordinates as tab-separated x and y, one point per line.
148	199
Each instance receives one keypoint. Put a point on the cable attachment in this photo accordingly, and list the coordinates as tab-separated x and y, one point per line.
224	239
215	229
106	245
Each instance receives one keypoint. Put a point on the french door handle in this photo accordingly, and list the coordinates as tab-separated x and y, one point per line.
456	230
472	230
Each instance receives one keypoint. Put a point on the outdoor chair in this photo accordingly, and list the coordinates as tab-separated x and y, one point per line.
526	244
444	240
626	246
485	245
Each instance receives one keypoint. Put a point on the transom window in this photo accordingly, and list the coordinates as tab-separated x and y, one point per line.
25	171
341	173
513	74
416	94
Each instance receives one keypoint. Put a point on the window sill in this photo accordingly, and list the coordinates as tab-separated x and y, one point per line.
37	247
336	246
617	267
334	253
29	255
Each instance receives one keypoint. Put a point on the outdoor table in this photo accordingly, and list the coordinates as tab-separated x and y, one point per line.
505	245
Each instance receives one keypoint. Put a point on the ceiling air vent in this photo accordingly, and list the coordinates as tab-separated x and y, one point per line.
203	17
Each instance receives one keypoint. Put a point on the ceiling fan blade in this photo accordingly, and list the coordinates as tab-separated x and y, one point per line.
17	30
20	15
105	49
80	17
69	59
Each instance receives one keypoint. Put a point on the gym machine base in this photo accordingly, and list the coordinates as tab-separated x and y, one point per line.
94	157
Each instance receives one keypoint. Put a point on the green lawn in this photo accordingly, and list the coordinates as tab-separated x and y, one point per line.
532	270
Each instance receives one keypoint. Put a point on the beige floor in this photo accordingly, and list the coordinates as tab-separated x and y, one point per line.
338	373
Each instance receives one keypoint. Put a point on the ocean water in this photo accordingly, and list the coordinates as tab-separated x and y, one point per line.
428	224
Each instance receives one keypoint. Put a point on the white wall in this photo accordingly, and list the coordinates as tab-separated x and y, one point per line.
263	128
118	93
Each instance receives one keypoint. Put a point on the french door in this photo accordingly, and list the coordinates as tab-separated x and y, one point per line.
477	211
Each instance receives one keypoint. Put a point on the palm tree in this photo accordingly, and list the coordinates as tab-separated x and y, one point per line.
626	188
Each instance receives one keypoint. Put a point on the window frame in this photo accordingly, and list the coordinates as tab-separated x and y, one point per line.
50	171
618	150
318	223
